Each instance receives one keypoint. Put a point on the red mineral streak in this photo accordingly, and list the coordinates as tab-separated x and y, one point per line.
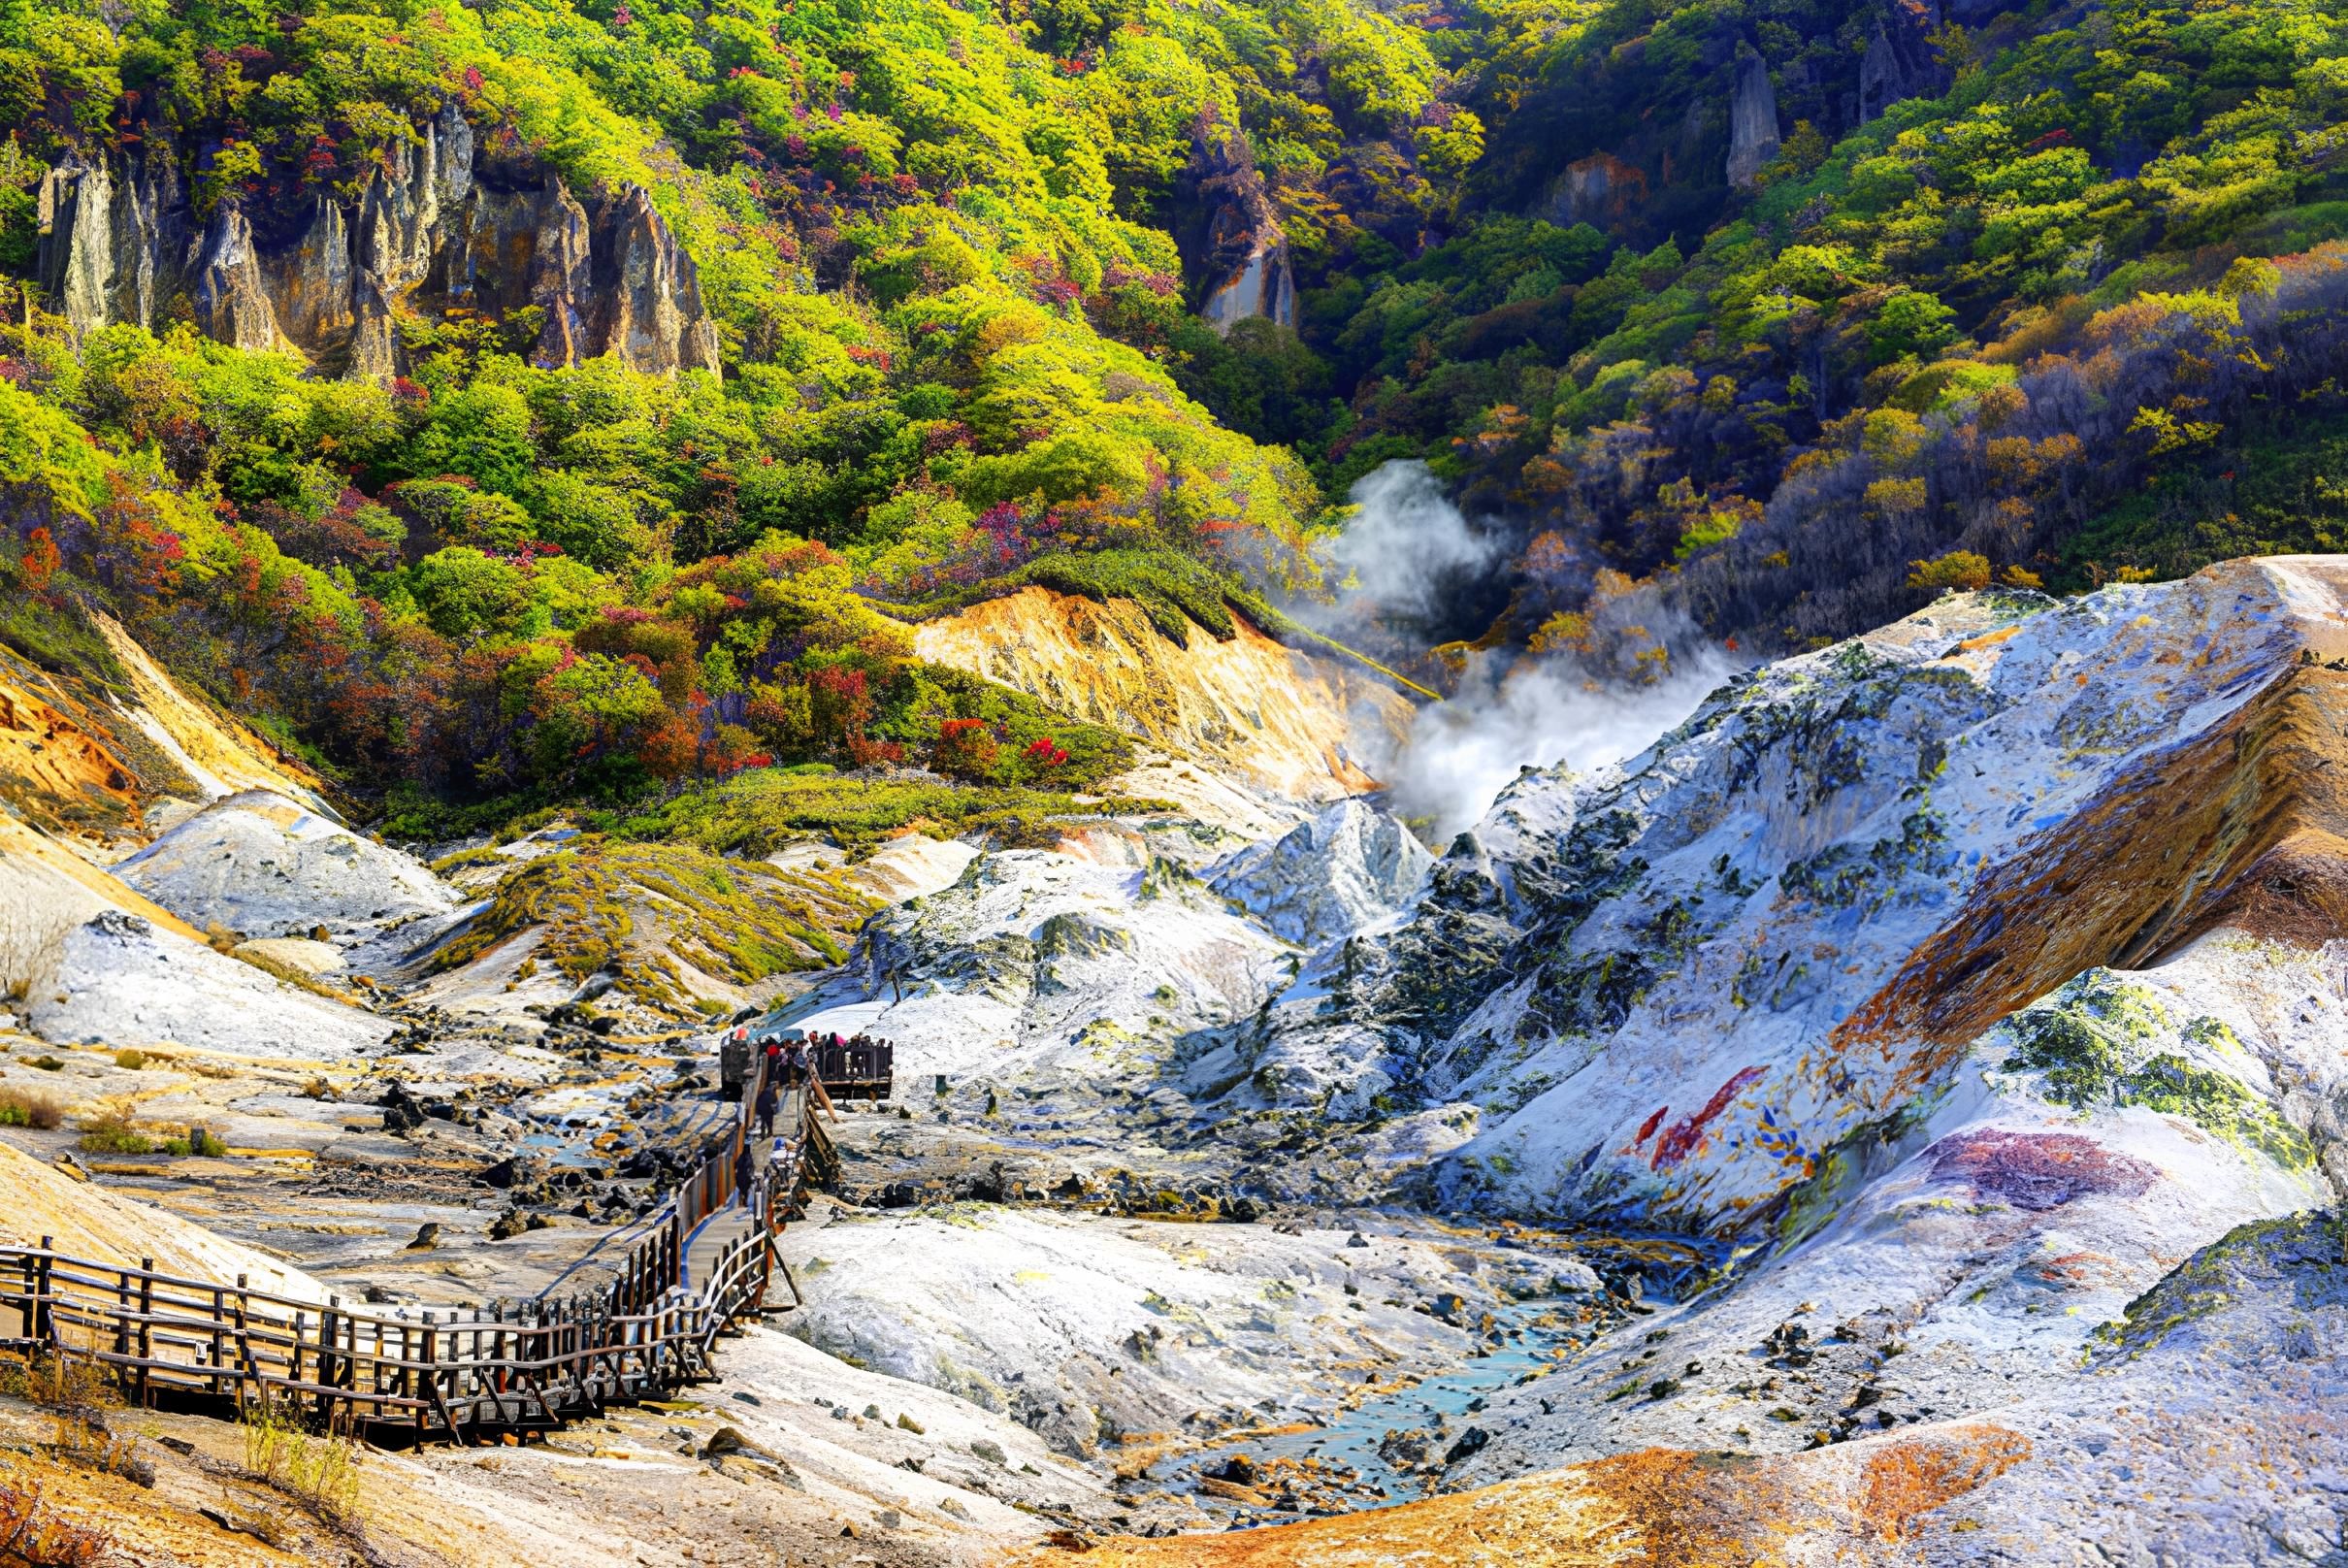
1677	1144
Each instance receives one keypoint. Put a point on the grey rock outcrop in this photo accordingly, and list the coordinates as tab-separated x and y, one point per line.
1240	249
1601	190
1349	867
441	227
115	238
1901	62
123	980
311	284
77	203
1752	119
650	308
231	293
265	866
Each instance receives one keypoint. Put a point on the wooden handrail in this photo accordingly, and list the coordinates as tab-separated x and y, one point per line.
441	1376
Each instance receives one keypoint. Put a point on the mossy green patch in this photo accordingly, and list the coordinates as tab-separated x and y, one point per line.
2093	1040
2216	1104
758	812
2222	1272
1177	591
2086	1037
626	908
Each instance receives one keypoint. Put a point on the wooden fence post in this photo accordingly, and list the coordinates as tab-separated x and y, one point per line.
430	1375
44	1317
245	1364
146	1337
326	1355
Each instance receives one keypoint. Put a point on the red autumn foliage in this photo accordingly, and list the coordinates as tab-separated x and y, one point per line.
41	561
964	749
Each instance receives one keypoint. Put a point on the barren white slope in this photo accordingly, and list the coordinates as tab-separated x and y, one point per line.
265	865
1095	967
1672	990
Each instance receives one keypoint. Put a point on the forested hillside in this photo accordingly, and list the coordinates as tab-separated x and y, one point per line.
534	402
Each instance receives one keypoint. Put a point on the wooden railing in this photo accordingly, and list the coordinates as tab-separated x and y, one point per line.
440	1374
856	1069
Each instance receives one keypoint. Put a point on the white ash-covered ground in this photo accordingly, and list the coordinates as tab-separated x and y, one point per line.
1940	1032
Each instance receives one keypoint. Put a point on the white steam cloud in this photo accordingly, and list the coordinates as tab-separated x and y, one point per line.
1406	549
1404	545
1538	713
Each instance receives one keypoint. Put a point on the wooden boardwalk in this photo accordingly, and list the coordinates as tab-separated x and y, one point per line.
702	1264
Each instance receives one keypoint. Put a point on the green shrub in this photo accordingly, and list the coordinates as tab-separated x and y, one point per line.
112	1132
31	1108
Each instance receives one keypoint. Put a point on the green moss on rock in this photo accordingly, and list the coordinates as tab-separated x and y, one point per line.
2094	1041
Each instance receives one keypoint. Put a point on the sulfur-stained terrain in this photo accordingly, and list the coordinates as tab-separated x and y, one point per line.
1893	1119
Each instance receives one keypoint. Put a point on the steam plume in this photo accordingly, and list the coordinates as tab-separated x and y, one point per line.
1407	554
1533	712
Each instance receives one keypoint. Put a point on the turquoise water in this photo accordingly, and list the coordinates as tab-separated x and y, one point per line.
1532	1333
1350	1462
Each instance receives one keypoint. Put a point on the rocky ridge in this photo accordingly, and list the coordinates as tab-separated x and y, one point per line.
449	224
1235	243
1289	723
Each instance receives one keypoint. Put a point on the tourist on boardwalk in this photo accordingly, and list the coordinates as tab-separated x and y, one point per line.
745	1171
767	1095
803	1053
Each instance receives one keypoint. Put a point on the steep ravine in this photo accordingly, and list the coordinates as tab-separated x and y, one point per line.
1944	991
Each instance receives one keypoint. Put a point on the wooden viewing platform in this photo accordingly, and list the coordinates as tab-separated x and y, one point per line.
702	1264
862	1068
856	1069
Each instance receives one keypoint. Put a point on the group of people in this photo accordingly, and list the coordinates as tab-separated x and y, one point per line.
788	1064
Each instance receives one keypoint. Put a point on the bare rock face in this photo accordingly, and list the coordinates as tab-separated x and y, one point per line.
259	862
1601	190
443	226
1283	719
77	205
310	284
1347	868
114	239
1900	62
1752	119
231	293
649	306
1241	250
518	249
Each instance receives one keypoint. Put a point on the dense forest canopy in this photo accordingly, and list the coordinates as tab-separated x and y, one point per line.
2027	294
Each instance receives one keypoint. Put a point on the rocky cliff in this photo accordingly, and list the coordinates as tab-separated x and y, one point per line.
1901	61
1289	722
448	226
1752	119
1234	241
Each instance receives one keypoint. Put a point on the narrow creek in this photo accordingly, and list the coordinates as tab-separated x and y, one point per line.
1398	1446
